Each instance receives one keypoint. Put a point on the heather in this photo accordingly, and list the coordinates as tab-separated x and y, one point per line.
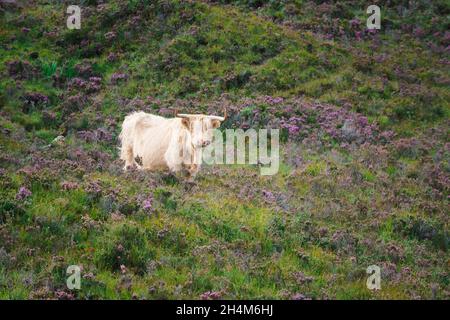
364	171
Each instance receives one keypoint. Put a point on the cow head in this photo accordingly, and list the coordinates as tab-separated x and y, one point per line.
201	127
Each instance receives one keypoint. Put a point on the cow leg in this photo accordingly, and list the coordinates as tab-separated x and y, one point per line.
127	156
138	162
189	175
192	171
172	161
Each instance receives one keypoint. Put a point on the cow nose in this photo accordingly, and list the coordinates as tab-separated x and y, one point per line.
205	143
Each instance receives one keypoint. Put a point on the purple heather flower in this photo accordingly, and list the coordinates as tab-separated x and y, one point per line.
210	295
446	37
419	32
293	129
354	23
36	98
23	193
95	79
245	126
112	57
147	204
110	35
96	135
78	83
116	77
268	196
62	295
362	121
299	296
67	185
93	188
103	134
272	100
166	112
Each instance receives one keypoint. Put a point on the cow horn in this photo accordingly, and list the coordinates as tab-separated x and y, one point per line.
183	115
220	118
216	118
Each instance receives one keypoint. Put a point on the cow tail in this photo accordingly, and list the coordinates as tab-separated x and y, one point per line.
126	137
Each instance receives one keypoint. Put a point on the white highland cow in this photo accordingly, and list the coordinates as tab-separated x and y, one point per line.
155	143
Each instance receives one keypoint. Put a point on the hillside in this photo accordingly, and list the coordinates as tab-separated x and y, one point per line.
364	178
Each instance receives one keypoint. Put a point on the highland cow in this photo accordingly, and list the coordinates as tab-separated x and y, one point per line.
155	143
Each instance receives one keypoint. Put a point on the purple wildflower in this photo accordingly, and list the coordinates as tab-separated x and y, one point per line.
67	185
268	196
62	295
299	296
272	100
112	57
116	77
110	35
96	135
147	204
211	295
293	129
34	99
419	32
77	83
93	188
95	79
23	193
354	23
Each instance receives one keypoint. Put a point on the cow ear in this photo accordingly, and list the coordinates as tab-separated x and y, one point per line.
215	124
185	122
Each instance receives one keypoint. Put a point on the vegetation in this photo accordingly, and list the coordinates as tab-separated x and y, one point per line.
364	178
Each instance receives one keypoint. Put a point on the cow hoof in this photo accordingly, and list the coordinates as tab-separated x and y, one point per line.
129	167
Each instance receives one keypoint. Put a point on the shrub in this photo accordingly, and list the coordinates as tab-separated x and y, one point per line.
124	246
421	229
10	209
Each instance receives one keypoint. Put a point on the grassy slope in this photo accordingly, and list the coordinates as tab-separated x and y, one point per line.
334	208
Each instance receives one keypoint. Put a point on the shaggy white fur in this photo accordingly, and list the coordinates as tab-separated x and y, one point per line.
155	143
